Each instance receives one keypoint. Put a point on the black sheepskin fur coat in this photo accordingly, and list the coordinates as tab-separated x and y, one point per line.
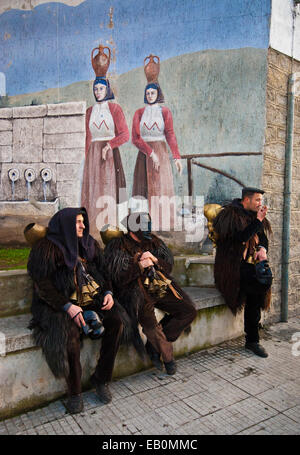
53	284
124	271
234	226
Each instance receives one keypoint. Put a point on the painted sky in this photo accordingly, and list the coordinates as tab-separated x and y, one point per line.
6	5
50	46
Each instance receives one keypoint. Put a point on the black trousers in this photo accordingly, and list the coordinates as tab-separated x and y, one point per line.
108	351
254	294
180	315
252	317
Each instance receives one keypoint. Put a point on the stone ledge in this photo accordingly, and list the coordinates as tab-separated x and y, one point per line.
189	271
6	273
198	259
16	293
30	111
14	216
25	207
71	108
27	382
18	337
6	112
194	270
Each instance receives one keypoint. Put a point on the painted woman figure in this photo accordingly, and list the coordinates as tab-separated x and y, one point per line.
152	128
103	174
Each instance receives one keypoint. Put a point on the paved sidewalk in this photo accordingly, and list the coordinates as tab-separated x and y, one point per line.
222	390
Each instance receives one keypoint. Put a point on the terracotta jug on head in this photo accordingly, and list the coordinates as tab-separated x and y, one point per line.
152	68
101	61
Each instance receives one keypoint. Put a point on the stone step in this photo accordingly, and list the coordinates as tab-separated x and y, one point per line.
18	336
194	270
16	292
16	286
25	378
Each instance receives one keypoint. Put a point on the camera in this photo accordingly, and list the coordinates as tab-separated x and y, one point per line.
94	328
263	273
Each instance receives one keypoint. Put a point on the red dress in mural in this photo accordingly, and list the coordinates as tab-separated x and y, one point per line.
103	171
152	128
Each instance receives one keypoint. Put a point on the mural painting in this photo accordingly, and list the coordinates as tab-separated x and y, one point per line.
106	130
152	127
182	105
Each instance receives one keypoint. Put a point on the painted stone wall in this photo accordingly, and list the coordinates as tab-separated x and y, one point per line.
213	67
280	67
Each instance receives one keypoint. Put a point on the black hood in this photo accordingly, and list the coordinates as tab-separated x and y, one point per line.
62	232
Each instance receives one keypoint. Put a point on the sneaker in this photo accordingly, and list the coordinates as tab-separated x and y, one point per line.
102	391
154	356
74	404
170	367
257	349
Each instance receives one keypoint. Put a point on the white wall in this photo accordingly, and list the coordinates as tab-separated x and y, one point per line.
281	32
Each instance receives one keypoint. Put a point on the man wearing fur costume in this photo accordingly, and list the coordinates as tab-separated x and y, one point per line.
60	265
139	265
241	230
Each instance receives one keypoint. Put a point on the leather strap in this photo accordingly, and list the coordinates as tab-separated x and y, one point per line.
177	295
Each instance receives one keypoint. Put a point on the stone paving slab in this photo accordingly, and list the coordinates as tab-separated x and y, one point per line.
237	417
278	425
224	390
293	413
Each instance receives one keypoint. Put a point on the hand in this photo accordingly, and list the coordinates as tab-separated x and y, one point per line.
148	255
261	255
105	150
262	213
178	166
75	313
108	302
155	160
144	263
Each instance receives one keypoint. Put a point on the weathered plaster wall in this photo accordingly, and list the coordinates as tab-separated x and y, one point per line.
280	67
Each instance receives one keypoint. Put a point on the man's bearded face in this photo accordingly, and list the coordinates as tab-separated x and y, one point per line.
254	202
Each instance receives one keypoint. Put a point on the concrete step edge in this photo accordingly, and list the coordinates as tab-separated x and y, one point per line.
17	337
